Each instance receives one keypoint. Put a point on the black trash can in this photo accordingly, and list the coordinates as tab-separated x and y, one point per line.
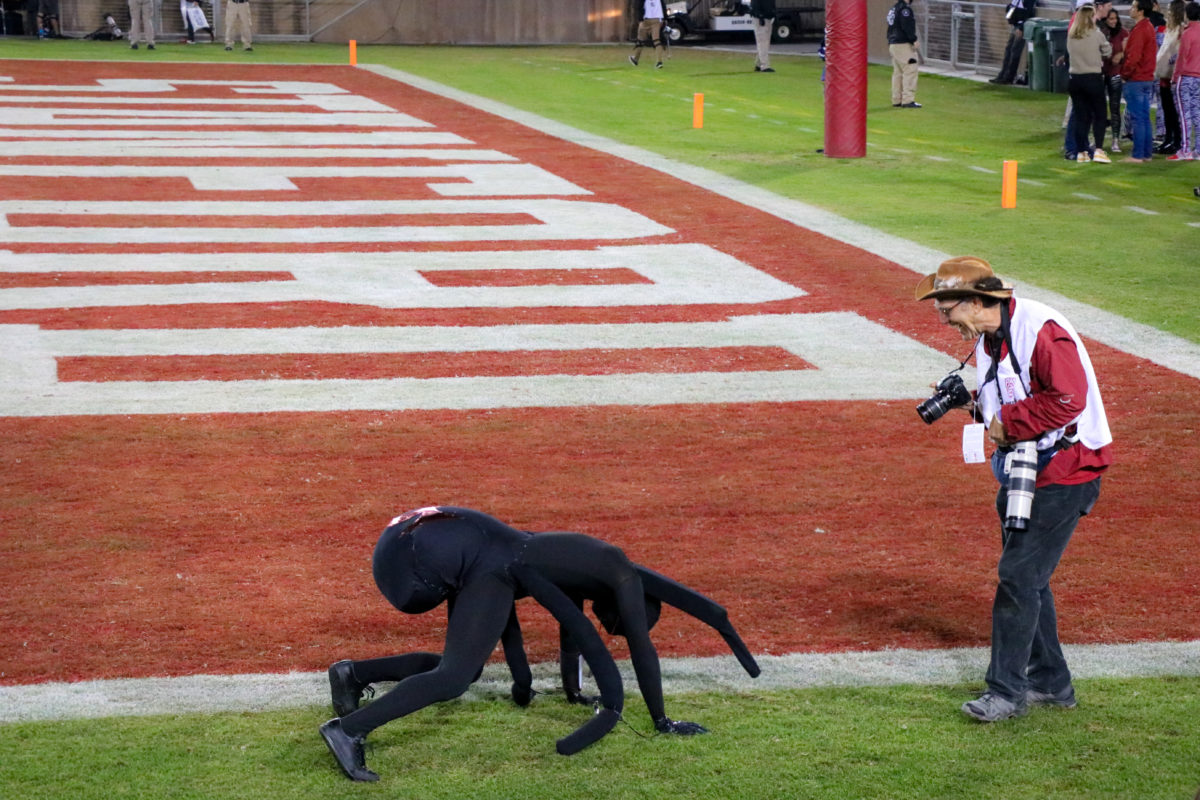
1059	69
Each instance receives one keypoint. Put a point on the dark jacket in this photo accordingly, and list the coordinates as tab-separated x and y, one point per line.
902	24
762	9
1019	11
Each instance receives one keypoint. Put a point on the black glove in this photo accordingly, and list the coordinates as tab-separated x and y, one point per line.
522	695
581	699
668	725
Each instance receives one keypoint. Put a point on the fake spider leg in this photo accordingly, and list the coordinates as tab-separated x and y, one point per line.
480	614
518	662
694	604
599	660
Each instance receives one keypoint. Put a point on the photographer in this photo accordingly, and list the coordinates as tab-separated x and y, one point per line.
1036	388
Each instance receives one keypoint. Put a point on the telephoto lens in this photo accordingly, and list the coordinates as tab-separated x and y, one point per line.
1022	478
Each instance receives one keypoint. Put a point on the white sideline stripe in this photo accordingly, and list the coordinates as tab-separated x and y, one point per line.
1115	331
207	694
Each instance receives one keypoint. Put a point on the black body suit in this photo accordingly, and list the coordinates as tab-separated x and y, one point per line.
480	565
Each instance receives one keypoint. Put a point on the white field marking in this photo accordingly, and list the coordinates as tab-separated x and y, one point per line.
985	170
680	274
209	694
1139	210
247	138
481	180
557	220
942	159
1030	182
1123	334
148	85
192	118
326	102
1085	196
184	151
836	344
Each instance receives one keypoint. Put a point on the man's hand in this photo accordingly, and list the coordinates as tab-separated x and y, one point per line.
997	433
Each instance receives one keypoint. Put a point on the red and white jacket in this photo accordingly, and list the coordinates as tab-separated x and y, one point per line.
1063	397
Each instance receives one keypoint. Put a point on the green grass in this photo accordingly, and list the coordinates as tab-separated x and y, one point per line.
766	130
1127	739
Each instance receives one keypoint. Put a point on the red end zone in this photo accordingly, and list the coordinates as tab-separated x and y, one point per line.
172	543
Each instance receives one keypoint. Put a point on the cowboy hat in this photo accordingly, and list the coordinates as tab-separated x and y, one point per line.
963	276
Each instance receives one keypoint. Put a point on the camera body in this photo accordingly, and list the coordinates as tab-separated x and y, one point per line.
950	393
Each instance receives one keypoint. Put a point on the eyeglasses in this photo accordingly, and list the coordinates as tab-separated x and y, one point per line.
945	310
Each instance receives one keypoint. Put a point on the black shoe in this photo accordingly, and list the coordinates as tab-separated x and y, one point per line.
658	65
133	46
766	69
149	47
895	105
248	50
1196	191
227	49
999	80
633	61
343	688
911	105
348	750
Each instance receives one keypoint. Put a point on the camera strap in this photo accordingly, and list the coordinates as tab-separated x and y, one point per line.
1005	338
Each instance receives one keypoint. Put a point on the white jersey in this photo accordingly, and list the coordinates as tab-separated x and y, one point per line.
652	9
1028	318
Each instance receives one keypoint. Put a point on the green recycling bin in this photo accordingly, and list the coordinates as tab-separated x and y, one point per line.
1037	54
1037	42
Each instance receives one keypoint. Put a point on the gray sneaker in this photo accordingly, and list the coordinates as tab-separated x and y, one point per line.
991	707
1063	698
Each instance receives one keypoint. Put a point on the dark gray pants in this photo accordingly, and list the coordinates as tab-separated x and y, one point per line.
1025	649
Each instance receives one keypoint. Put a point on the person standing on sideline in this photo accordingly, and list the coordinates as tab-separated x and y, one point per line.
649	31
1116	34
1040	400
141	23
1185	81
1137	70
763	12
903	45
1087	48
1018	11
237	14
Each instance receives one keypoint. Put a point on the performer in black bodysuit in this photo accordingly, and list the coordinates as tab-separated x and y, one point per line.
480	566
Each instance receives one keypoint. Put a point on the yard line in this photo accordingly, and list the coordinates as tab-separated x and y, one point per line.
128	697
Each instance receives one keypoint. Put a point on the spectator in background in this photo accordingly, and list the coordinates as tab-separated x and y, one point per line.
141	23
903	45
1137	70
1018	11
763	12
1116	34
1186	83
47	19
649	31
194	20
237	17
1164	68
1087	47
1102	7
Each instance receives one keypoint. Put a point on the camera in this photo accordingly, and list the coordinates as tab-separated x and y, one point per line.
950	393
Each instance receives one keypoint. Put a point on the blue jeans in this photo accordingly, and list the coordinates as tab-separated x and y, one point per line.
1137	102
1026	653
